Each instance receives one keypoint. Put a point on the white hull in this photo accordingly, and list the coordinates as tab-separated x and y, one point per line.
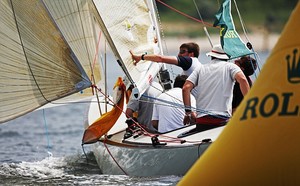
137	156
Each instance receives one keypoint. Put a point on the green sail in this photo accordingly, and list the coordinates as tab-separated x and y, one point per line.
230	40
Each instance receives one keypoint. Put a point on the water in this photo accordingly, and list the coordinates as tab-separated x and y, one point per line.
44	147
33	153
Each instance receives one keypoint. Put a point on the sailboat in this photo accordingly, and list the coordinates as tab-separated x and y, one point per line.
144	153
49	57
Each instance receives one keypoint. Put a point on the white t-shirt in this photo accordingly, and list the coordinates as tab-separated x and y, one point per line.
170	111
215	83
144	106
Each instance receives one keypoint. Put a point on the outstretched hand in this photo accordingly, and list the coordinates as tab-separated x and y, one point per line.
135	58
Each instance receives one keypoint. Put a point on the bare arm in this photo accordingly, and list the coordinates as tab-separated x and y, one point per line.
186	91
156	58
242	80
186	97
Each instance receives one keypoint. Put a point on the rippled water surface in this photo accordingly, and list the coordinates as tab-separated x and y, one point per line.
44	147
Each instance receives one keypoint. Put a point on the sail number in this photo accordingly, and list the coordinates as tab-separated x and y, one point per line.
230	34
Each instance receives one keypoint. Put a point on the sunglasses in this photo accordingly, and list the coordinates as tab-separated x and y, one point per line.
183	51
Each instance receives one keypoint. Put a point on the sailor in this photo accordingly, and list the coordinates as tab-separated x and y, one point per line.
187	59
215	82
168	110
248	66
144	108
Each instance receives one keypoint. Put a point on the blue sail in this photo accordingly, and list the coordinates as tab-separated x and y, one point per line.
230	40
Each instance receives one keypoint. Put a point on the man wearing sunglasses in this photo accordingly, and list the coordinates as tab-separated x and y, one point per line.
187	59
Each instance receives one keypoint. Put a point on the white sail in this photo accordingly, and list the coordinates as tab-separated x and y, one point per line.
37	65
75	19
130	25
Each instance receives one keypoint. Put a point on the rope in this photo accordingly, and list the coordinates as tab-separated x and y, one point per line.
47	134
177	105
86	157
136	123
188	16
145	132
113	157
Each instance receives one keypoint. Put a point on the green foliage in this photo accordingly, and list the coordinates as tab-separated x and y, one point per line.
256	14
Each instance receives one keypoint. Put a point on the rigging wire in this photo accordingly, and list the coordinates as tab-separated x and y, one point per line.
184	14
176	105
204	27
248	40
86	47
47	135
86	157
163	36
113	156
241	21
116	105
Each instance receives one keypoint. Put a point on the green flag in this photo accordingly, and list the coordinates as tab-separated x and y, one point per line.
230	40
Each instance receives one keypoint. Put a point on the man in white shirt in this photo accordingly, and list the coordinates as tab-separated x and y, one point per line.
168	109
215	83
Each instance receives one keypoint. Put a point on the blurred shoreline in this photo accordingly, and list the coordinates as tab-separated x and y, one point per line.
261	42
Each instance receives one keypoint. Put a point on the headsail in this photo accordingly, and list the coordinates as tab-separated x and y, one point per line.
128	25
230	39
37	65
76	21
260	145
